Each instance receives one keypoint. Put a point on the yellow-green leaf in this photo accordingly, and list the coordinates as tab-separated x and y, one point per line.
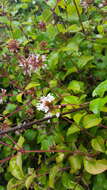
98	144
73	129
94	167
75	163
29	181
52	175
90	120
15	167
19	97
31	85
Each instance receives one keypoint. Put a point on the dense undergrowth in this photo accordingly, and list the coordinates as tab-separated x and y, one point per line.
53	95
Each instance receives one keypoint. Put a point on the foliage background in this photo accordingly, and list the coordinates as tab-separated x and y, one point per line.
69	151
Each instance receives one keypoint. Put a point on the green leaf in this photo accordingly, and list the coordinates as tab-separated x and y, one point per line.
73	129
31	85
53	60
51	31
90	120
47	143
100	182
94	167
29	181
97	105
51	3
60	157
68	182
73	28
2	188
98	144
20	142
77	117
70	47
100	29
71	100
83	60
100	89
15	167
12	182
19	97
30	134
52	174
10	107
75	163
61	28
76	86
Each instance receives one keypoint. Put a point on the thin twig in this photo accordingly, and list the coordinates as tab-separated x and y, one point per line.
79	16
29	125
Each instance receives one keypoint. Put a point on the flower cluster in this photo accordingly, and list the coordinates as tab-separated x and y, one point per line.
32	63
45	104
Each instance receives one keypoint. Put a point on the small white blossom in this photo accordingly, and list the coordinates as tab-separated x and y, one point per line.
42	107
3	91
44	101
43	58
100	5
57	114
48	98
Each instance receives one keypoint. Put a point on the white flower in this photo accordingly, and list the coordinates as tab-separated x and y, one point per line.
100	5
43	105
48	98
57	114
43	58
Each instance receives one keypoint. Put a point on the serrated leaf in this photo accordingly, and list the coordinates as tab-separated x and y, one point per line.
94	167
100	89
